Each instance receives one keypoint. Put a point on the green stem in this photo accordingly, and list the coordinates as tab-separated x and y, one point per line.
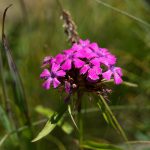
130	84
124	13
80	121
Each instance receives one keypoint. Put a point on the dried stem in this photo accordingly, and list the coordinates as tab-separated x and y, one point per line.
4	88
6	99
12	65
69	27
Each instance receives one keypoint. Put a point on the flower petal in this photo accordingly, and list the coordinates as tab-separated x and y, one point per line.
95	62
67	65
94	46
88	53
84	69
55	67
78	63
60	73
117	78
69	51
46	85
92	74
84	42
118	70
45	73
76	47
107	75
79	54
59	58
111	59
104	61
55	83
97	70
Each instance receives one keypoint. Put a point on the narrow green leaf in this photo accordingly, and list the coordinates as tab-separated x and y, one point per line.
7	126
3	139
69	110
4	120
52	122
103	112
111	118
66	127
99	146
45	131
130	84
106	114
18	88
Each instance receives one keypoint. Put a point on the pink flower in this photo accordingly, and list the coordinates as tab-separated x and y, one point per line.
84	43
103	55
69	59
51	77
116	72
92	68
84	60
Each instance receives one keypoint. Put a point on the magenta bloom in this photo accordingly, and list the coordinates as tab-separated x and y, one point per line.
83	62
92	68
69	58
103	55
116	72
84	43
51	77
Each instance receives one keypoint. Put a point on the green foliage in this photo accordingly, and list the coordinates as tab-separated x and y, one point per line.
45	131
92	145
52	122
5	120
65	126
109	116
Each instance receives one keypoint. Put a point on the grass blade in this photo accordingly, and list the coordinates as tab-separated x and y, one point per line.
112	118
130	84
99	146
45	131
52	122
4	120
69	110
18	88
124	13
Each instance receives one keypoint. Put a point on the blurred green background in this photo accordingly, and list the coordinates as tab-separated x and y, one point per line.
34	30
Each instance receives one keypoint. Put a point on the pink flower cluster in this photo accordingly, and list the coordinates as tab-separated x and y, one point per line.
84	60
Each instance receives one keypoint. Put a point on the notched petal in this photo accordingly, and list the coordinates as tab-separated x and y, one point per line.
78	63
56	83
45	73
67	65
46	85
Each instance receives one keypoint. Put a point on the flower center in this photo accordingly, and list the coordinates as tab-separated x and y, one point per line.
53	75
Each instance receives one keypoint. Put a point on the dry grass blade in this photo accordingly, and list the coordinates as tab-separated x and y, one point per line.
20	98
4	89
